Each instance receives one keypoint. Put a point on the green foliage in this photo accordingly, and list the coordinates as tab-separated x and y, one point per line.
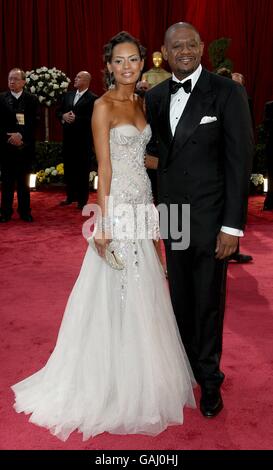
217	53
47	154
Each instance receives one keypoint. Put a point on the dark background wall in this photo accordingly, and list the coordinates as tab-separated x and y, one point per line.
70	34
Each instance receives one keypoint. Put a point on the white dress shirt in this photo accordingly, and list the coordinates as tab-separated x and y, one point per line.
180	98
78	96
177	105
17	95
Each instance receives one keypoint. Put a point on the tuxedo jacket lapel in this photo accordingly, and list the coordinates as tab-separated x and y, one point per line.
164	114
82	98
201	98
164	117
70	99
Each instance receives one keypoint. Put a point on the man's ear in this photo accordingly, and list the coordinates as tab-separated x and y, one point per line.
164	52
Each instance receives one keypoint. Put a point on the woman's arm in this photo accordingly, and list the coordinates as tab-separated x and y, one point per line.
101	132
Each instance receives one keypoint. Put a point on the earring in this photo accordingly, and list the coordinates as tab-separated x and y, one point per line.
111	81
139	77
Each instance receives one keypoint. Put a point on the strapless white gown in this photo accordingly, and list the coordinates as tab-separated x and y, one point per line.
118	364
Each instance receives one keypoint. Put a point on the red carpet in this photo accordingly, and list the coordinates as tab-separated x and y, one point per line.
39	264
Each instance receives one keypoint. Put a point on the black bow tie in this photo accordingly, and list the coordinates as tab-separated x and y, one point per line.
174	86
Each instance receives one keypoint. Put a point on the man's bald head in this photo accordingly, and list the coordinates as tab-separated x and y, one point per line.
182	49
177	26
82	80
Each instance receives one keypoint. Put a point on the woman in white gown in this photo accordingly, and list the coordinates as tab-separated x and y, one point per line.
119	364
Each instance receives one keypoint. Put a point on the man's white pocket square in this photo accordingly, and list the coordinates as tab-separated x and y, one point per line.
208	119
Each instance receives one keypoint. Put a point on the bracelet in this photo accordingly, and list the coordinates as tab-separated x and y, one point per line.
106	224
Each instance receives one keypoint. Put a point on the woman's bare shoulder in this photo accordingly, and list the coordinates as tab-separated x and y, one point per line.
140	101
103	109
104	102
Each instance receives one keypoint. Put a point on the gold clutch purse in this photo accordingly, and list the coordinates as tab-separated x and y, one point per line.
111	257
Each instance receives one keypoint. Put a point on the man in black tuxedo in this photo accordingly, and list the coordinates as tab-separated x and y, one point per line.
75	115
268	126
202	134
19	115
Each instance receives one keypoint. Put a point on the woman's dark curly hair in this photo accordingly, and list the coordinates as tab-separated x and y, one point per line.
119	38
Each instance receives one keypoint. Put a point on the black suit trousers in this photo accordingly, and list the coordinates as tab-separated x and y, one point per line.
15	174
76	172
197	287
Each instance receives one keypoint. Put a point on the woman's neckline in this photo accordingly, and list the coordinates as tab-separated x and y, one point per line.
130	125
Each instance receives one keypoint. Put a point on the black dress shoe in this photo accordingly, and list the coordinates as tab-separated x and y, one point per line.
268	202
240	258
27	218
4	219
67	202
211	403
268	207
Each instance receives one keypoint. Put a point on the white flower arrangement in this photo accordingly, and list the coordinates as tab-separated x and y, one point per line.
47	84
257	179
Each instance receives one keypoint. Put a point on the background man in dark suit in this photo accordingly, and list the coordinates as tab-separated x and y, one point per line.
203	134
75	115
239	78
19	116
268	126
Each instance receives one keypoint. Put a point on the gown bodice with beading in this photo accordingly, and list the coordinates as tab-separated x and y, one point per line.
130	182
130	186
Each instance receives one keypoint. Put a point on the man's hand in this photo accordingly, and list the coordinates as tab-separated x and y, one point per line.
226	245
69	117
151	162
143	85
15	138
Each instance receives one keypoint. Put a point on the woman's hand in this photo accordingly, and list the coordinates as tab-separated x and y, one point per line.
101	241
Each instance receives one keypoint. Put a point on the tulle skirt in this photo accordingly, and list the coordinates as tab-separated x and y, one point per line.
119	364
